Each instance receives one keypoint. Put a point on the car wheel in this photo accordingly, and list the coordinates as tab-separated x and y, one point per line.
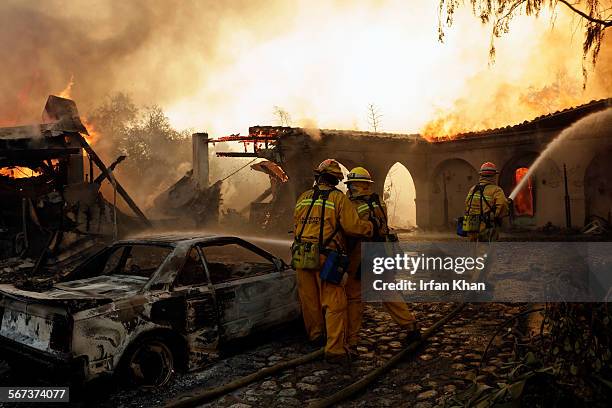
150	364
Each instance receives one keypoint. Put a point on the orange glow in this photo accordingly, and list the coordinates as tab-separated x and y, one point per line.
94	135
322	62
67	91
444	127
523	203
19	172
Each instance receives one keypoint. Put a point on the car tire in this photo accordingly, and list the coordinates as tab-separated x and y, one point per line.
149	363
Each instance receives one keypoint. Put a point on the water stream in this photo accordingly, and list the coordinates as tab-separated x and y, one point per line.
584	125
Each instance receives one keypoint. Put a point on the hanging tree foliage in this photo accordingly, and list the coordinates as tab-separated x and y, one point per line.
596	14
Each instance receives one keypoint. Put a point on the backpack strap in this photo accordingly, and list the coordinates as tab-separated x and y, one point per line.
315	196
325	196
485	199
481	188
475	189
323	244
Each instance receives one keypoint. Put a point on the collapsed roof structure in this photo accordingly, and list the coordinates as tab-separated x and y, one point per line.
50	203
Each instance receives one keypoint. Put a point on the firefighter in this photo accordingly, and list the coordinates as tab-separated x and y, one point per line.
485	206
323	217
370	207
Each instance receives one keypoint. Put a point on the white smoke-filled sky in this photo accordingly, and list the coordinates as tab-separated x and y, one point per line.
223	66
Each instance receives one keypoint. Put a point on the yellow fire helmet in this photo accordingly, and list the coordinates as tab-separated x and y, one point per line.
330	166
359	174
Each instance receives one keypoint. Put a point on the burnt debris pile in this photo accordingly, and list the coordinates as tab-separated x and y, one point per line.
50	189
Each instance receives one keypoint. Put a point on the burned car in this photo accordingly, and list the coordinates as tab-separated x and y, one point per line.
147	307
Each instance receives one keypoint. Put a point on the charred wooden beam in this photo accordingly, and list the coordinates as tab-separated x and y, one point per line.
107	174
114	164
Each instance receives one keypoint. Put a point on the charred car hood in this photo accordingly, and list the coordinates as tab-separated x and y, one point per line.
97	288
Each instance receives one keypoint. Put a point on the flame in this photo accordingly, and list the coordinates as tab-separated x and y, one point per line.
383	52
444	127
67	91
523	202
378	52
17	172
508	105
94	135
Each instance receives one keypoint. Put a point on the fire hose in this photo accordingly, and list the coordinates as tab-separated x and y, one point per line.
374	374
195	398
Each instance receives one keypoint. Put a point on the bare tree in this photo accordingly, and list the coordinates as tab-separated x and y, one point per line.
597	16
374	117
282	116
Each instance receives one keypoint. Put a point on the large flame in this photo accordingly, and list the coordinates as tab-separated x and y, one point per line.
67	91
19	172
320	61
94	135
523	202
325	71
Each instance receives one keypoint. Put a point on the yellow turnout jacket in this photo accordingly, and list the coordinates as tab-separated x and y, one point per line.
495	198
378	212
340	215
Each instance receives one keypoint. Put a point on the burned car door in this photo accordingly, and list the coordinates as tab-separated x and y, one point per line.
252	289
200	314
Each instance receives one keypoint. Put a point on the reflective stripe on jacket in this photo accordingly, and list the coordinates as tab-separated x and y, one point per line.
339	211
364	208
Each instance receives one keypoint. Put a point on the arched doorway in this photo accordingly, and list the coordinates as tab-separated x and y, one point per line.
540	200
598	187
399	194
451	182
525	201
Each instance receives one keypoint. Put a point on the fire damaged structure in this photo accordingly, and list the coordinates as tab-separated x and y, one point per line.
50	199
443	169
146	307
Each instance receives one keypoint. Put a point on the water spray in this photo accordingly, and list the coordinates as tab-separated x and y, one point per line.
550	147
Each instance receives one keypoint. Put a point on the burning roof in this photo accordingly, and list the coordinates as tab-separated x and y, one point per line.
552	121
59	116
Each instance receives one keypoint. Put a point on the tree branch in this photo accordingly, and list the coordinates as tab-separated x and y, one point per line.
605	23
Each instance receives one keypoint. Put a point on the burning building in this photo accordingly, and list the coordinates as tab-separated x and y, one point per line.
443	169
49	191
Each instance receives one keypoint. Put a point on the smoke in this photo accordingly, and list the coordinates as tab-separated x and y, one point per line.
157	51
220	67
550	80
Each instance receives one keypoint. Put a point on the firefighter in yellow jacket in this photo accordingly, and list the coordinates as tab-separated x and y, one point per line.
323	217
369	207
485	206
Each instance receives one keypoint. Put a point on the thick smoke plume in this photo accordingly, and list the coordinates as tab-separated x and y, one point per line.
221	67
157	51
